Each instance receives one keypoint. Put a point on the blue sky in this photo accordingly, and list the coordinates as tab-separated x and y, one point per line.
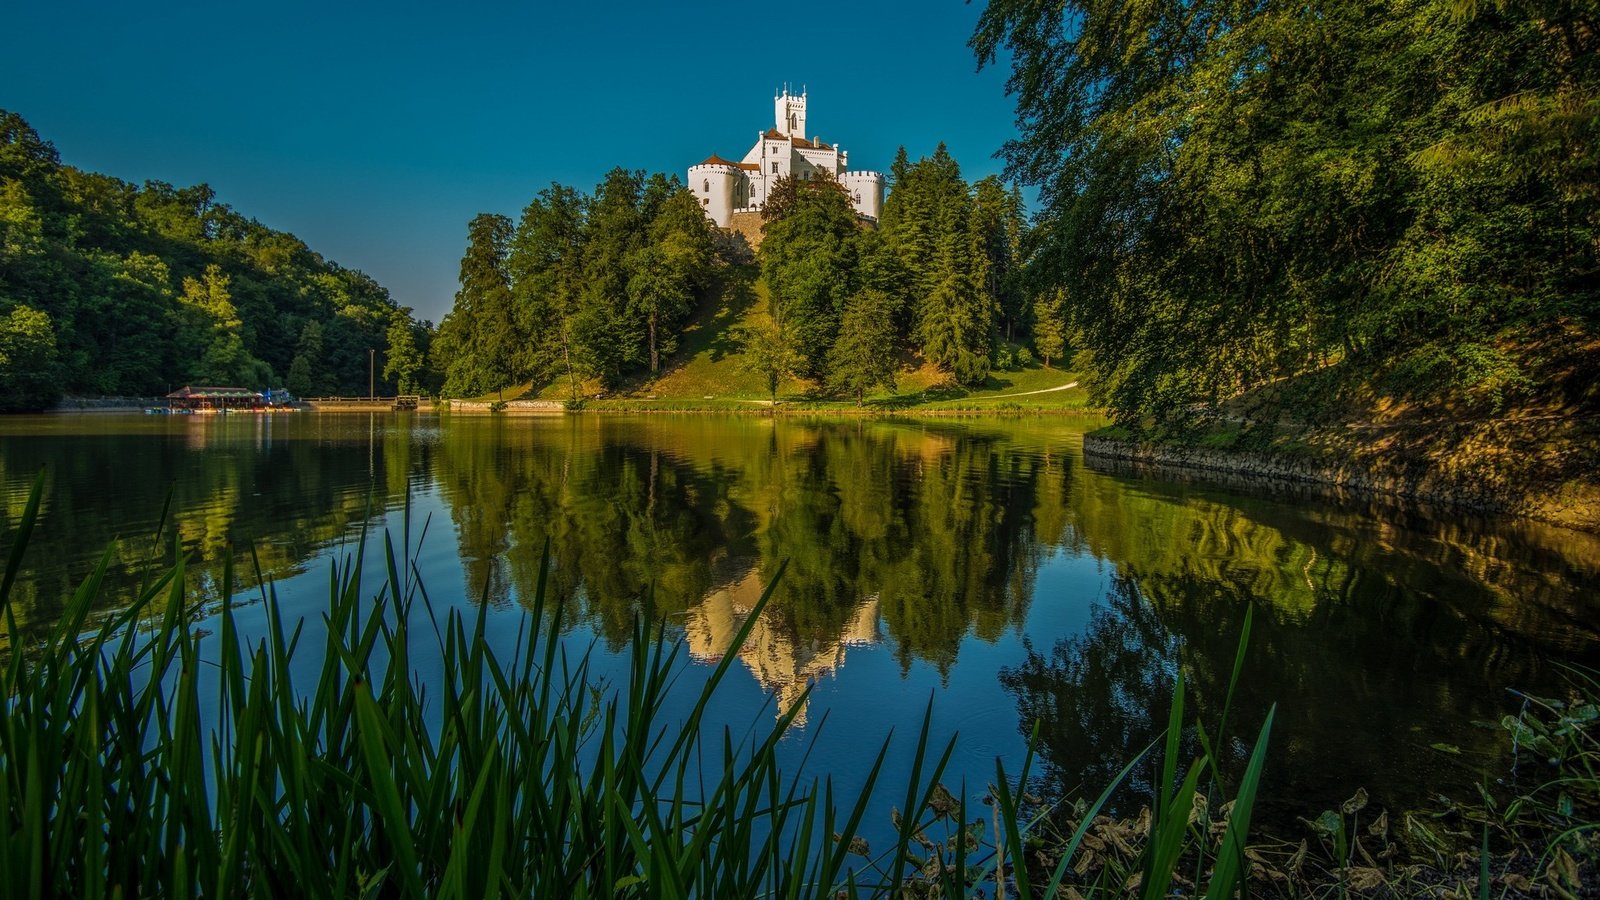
376	131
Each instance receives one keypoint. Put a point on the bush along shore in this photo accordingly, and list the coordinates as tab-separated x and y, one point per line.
154	750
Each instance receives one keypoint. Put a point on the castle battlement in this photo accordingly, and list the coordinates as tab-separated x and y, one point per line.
725	187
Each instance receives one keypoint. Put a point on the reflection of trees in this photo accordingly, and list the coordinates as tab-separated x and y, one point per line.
1366	677
624	522
280	487
1101	697
938	523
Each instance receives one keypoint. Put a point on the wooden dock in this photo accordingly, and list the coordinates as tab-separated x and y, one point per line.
400	403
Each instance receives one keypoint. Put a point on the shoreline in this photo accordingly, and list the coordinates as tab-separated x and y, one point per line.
1395	477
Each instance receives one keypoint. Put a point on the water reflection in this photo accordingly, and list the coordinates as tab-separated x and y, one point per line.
1378	632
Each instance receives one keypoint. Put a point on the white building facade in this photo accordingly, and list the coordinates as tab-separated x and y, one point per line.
725	187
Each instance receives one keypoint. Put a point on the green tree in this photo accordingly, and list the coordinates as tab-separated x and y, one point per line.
808	259
1050	326
214	325
769	352
546	269
403	361
1429	161
98	256
668	273
307	373
481	326
27	360
863	357
608	337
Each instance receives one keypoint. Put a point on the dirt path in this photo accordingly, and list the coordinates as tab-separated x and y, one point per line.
1050	390
1059	387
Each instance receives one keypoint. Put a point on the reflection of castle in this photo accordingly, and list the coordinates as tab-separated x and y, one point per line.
779	662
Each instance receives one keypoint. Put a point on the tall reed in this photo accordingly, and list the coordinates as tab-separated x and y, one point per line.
143	755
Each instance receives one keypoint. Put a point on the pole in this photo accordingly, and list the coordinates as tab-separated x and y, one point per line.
370	358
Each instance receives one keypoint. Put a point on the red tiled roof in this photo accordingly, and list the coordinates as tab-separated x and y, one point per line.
206	391
715	160
750	167
774	134
804	144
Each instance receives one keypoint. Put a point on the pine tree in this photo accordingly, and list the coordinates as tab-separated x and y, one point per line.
863	357
1050	326
482	323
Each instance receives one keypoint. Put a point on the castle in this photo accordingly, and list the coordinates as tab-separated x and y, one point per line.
726	188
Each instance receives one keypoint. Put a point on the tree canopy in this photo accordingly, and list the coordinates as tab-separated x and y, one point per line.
145	287
1236	193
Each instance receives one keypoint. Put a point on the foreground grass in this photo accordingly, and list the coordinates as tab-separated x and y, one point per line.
156	751
161	758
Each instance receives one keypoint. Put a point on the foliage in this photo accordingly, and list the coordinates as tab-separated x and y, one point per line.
604	286
27	360
863	357
960	247
403	363
808	258
768	352
1235	193
1050	326
582	287
146	287
478	329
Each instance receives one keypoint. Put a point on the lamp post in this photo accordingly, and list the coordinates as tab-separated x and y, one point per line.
370	358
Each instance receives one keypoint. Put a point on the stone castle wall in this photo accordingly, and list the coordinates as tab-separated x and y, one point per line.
748	225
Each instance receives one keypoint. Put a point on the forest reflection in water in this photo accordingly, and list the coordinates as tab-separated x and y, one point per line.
978	559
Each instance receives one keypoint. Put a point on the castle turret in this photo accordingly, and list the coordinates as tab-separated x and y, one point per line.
718	184
790	113
866	192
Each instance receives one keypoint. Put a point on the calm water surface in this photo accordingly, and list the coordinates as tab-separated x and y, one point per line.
979	563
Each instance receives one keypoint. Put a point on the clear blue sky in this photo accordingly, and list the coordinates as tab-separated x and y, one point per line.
376	131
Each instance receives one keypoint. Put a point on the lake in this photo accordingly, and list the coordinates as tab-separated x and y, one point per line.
978	562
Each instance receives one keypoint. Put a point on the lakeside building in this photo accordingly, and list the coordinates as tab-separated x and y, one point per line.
728	190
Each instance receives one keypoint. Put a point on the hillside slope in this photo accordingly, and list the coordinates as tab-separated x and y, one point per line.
708	371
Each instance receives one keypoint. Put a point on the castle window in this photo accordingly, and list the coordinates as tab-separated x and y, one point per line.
706	185
774	168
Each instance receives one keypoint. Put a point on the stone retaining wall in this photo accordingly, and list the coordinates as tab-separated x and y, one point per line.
1570	505
512	406
348	405
1351	477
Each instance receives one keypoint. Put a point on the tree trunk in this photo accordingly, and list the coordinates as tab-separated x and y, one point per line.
655	361
566	355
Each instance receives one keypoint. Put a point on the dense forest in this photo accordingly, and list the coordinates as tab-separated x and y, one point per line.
1403	194
601	286
112	288
583	287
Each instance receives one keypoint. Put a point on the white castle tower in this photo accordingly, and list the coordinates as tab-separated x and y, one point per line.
726	188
